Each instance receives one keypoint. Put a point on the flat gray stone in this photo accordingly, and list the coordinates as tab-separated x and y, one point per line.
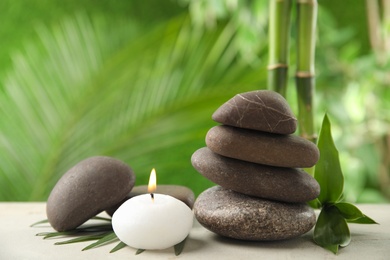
238	216
262	110
264	148
275	183
88	188
181	193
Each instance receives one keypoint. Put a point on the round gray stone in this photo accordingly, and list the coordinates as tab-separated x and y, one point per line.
85	190
262	110
238	216
181	193
264	148
275	183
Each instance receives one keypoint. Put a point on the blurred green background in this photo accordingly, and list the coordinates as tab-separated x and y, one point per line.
138	80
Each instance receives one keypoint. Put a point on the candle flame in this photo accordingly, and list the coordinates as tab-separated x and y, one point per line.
152	182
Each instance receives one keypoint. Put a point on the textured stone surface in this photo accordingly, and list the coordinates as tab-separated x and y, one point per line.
264	148
276	183
88	188
235	215
262	110
179	192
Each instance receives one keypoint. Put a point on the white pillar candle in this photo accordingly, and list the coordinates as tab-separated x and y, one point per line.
146	223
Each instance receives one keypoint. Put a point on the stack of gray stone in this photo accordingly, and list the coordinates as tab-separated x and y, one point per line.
257	163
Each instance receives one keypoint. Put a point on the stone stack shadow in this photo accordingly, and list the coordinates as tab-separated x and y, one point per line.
256	161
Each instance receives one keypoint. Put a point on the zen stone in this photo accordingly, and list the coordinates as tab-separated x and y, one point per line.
276	183
182	193
88	188
235	215
262	110
264	148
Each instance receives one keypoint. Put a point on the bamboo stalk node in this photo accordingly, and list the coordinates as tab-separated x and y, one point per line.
309	2
312	137
277	65
304	74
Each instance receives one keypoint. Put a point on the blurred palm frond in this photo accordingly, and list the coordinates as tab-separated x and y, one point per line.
91	87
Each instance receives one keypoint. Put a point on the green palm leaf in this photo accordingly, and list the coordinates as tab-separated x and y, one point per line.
146	99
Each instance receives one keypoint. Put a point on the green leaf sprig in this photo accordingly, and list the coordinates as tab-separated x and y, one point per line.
331	230
102	233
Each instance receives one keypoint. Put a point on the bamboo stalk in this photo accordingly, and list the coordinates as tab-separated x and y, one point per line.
279	34
305	75
386	24
374	25
378	18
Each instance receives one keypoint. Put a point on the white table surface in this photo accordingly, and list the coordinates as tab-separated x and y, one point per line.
19	241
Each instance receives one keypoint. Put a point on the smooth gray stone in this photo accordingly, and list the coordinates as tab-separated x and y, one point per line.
264	148
181	193
262	110
275	183
88	188
236	215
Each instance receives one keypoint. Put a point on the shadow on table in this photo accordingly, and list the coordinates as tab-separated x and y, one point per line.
193	244
302	241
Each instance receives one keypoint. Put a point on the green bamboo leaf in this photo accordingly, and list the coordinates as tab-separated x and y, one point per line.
315	204
102	218
348	211
57	234
179	247
108	238
40	222
80	230
332	248
139	251
95	228
80	239
352	214
119	246
43	233
331	230
327	170
363	220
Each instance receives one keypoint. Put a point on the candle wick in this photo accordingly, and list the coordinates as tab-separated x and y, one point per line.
152	195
